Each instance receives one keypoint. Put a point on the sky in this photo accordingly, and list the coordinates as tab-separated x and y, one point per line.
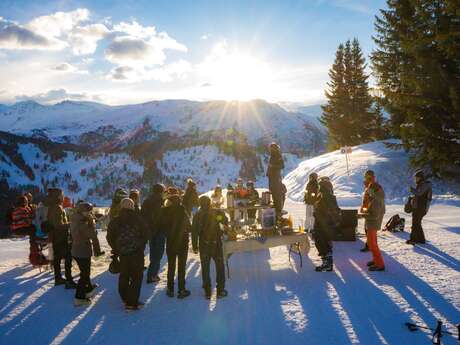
126	51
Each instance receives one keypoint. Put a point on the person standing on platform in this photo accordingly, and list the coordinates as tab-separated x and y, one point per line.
275	184
373	211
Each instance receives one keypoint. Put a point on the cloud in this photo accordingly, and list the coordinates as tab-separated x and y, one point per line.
15	36
58	95
67	68
84	39
175	70
204	37
54	25
138	46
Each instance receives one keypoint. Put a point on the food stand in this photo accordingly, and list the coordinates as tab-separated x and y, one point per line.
245	235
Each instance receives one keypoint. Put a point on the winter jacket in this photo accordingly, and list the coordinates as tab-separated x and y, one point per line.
373	206
84	236
21	218
190	199
275	166
326	209
58	223
176	223
150	211
311	192
253	196
241	193
127	218
422	196
206	231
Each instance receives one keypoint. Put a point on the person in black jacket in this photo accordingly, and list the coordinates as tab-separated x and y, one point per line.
420	205
207	236
190	198
127	234
327	214
175	222
151	209
275	185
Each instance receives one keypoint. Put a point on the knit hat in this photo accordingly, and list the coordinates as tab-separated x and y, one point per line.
127	203
419	174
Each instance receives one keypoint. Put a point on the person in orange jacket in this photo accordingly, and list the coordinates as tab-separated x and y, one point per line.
373	210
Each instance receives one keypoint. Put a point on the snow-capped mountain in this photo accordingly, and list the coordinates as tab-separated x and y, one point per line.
390	164
258	121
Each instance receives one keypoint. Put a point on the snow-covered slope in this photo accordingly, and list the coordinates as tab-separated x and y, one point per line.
256	119
391	167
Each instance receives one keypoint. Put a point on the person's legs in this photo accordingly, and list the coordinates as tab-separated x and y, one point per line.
417	234
84	265
68	264
57	257
220	270
123	278
205	267
172	257
182	263
373	246
136	271
157	247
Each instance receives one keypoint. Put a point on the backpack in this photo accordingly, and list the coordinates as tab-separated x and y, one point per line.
395	223
128	241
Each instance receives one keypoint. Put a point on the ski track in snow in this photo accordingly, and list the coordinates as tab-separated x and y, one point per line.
271	301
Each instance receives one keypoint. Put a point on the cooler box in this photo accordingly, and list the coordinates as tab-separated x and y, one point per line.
347	228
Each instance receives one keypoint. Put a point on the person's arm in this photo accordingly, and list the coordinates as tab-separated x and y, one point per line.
195	232
111	233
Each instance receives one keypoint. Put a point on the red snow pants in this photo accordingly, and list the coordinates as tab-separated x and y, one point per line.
374	247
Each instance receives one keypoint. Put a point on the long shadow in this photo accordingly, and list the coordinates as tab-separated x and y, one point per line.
389	299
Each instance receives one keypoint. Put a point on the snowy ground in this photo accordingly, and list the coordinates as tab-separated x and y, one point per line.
271	301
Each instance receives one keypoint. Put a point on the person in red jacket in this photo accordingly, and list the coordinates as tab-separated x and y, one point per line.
22	218
373	210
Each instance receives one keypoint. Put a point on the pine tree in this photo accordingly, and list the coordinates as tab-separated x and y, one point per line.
417	65
348	114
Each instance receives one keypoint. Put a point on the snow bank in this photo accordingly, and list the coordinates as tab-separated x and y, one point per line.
391	167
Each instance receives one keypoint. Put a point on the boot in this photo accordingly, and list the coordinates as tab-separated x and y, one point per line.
70	284
207	292
222	293
59	281
91	292
329	264
320	268
370	263
170	292
78	302
374	268
364	249
183	293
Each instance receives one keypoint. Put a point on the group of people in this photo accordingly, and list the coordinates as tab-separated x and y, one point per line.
165	220
168	216
323	215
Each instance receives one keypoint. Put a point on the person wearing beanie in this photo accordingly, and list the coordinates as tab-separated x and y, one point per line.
135	195
207	237
127	234
373	210
422	195
84	245
151	211
175	222
327	214
59	234
190	198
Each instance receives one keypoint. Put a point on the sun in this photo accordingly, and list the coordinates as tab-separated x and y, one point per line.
235	74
